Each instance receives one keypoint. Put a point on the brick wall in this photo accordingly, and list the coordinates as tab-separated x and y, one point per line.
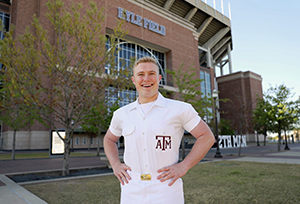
242	88
179	43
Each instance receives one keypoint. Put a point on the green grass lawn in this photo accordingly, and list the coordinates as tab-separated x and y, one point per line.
215	182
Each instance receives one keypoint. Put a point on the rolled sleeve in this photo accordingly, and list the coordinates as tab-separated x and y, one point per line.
115	126
192	123
191	118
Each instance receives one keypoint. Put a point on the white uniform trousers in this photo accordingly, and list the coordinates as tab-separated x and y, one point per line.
139	191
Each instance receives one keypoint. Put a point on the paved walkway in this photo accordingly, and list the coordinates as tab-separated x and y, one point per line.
266	154
13	193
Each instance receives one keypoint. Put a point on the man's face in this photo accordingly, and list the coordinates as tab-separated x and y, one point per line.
146	79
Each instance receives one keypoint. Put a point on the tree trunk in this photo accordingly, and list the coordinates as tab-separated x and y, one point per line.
286	144
13	145
98	146
240	148
279	136
66	171
265	136
285	137
279	141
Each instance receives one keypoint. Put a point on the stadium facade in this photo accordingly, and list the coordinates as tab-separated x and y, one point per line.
176	32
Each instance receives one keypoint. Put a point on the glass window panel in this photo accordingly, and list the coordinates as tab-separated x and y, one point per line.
5	19
208	84
122	60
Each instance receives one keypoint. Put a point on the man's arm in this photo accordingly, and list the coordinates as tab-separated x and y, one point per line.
111	151
205	140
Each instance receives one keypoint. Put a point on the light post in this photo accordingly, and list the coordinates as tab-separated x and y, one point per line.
72	148
256	133
215	96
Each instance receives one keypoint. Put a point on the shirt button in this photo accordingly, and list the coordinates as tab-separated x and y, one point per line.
143	133
144	149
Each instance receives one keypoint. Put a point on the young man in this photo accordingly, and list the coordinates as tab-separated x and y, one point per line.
152	127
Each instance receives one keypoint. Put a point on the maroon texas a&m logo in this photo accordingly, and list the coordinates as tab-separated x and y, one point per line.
163	142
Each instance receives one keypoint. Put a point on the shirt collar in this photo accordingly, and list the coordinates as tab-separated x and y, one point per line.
160	101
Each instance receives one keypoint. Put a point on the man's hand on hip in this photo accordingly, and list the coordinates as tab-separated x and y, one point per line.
173	172
120	171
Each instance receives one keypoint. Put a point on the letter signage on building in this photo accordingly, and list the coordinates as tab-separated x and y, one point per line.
228	141
140	21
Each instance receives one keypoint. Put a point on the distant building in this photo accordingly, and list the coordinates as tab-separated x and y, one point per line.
242	88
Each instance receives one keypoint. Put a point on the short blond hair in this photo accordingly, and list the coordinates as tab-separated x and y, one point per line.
146	59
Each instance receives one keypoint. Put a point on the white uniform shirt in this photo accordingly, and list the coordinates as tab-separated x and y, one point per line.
152	140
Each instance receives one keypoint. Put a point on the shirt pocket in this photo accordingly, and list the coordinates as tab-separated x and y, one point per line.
129	139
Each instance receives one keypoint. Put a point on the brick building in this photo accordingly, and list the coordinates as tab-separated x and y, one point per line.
175	32
242	88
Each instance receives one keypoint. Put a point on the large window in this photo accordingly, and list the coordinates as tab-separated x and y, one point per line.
205	84
5	18
127	52
124	96
206	91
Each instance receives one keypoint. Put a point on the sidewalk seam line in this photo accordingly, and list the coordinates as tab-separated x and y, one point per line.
18	194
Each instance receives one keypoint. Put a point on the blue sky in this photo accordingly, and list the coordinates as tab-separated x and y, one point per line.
266	40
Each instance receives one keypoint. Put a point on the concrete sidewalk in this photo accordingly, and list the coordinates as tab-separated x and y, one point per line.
291	156
13	193
254	153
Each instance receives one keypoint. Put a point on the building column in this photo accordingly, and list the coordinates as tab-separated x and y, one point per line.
221	69
208	58
229	58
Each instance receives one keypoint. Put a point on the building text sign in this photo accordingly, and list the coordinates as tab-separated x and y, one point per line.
228	141
57	144
140	21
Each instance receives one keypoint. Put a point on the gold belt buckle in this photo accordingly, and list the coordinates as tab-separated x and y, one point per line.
146	177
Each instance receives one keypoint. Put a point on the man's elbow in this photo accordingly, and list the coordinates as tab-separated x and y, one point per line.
110	138
212	140
107	140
